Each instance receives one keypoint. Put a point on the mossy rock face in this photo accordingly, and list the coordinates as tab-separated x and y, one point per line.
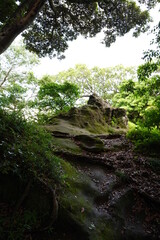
91	204
108	115
94	99
77	208
90	143
65	145
87	117
124	206
65	126
119	117
96	117
101	205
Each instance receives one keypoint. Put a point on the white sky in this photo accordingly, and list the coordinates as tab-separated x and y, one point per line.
127	51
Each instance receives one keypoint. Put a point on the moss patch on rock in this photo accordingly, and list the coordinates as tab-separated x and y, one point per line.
90	143
96	117
65	144
65	126
77	206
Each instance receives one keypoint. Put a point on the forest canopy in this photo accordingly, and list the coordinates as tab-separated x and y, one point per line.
49	25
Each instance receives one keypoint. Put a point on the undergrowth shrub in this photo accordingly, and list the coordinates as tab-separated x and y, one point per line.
25	151
145	140
25	148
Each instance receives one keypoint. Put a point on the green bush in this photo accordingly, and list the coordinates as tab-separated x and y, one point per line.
152	117
54	98
25	148
26	153
145	140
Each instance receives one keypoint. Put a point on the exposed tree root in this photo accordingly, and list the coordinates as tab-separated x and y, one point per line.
54	212
24	195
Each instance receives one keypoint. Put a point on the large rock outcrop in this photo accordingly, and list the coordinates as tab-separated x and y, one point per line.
97	117
113	116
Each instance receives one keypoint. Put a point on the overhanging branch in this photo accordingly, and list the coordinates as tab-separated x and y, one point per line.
20	22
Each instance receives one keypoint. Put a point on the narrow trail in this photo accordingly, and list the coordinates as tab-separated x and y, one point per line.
126	186
128	165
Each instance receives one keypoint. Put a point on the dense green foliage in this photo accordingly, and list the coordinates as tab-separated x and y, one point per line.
26	157
23	93
144	140
15	65
141	98
17	82
57	22
55	26
25	148
53	98
102	81
19	138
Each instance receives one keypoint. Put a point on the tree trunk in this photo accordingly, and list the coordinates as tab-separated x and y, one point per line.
24	16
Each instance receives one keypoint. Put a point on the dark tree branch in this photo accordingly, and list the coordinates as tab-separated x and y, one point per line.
86	19
5	78
24	16
52	5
